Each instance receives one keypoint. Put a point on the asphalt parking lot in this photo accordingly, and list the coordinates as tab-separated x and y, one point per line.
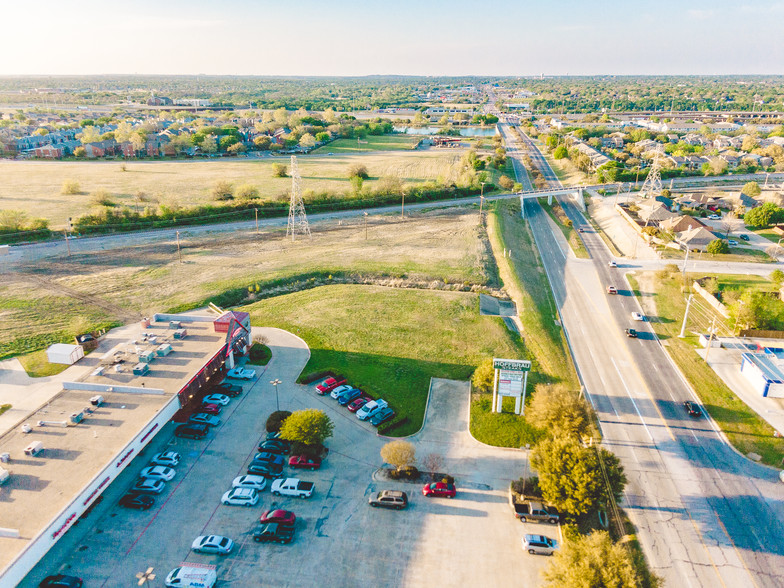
340	541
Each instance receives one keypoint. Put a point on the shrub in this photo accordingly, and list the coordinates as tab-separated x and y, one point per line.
279	170
275	420
71	187
482	380
718	246
399	453
506	182
102	198
405	473
358	171
223	190
247	192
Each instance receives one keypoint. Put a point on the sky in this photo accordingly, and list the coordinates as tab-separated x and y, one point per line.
406	37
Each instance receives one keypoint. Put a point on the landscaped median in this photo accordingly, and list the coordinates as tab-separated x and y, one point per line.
558	215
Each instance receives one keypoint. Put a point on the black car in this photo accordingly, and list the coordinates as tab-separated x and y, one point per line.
268	470
267	457
631	333
61	581
382	416
230	390
279	446
137	501
691	408
273	532
744	237
349	395
192	431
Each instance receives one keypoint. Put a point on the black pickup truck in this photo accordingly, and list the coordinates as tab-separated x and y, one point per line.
274	533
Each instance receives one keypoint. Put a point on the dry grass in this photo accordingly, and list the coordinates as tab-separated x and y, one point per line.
36	187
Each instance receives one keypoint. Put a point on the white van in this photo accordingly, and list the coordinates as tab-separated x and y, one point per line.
192	576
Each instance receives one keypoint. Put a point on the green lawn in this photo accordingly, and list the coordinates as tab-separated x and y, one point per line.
745	429
390	342
767	234
260	354
744	254
5	407
370	143
37	365
572	235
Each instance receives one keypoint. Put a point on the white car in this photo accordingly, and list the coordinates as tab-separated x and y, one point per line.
612	264
212	544
204	419
239	373
167	458
240	497
339	390
258	483
732	242
636	316
158	473
371	408
220	399
715	217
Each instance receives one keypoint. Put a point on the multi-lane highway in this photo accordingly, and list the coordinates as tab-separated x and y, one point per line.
705	515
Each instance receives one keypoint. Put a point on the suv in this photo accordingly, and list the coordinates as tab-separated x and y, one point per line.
230	390
539	545
390	499
192	431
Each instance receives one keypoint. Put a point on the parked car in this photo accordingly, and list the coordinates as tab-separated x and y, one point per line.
279	516
148	486
220	399
536	512
612	290
349	395
382	416
240	497
440	490
612	264
167	458
239	373
192	431
292	487
213	409
268	470
358	403
204	419
636	316
267	457
191	576
212	544
732	242
714	217
256	482
371	408
338	390
158	473
230	390
631	333
61	581
692	409
744	237
304	462
137	501
329	385
280	446
389	499
273	533
539	545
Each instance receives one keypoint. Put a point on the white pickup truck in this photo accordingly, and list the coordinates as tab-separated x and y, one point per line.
292	487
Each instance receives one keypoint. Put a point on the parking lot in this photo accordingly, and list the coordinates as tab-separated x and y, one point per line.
340	541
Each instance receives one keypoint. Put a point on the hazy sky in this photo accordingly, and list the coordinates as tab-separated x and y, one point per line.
428	37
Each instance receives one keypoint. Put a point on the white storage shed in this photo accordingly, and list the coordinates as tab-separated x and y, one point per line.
64	353
763	374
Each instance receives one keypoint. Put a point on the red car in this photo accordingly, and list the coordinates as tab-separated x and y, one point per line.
210	408
439	489
355	405
280	516
329	385
305	462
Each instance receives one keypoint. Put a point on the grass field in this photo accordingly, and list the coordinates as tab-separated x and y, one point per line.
746	430
370	143
390	342
35	187
572	236
736	254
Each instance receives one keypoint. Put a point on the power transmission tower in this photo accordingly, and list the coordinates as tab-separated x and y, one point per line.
652	186
298	220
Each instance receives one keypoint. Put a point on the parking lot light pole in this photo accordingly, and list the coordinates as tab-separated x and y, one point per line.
275	383
145	577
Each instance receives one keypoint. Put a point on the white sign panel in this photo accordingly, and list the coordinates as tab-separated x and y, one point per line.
510	383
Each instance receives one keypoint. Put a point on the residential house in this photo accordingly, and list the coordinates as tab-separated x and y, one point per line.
100	148
654	212
696	239
678	224
733	161
159	101
49	151
612	142
673	138
597	158
747	202
722	142
694	139
154	145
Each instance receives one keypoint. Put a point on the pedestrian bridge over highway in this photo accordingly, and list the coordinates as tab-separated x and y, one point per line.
575	192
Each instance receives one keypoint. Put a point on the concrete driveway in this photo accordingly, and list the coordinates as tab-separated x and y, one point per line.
341	541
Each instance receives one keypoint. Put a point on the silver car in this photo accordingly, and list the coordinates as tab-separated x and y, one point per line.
167	458
539	545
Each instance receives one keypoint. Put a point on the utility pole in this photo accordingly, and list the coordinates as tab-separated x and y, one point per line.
179	253
256	210
685	261
365	215
403	203
67	241
685	317
710	338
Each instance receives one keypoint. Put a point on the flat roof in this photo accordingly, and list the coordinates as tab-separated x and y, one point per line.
41	487
769	370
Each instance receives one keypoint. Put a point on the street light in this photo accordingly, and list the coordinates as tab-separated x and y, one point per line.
403	203
481	200
275	383
145	577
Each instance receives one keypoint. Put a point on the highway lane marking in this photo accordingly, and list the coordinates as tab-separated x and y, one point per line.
628	393
705	546
735	547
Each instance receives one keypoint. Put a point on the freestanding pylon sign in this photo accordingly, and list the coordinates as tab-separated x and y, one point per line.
652	186
511	379
298	220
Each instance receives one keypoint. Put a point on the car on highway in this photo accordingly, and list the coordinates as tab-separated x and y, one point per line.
201	418
396	499
371	408
240	497
631	333
216	544
636	316
158	473
692	409
167	458
137	501
220	399
329	385
539	545
732	242
337	391
612	290
279	516
440	490
358	403
349	396
280	446
714	217
191	431
304	462
382	416
61	581
582	230
230	390
239	373
744	237
268	470
612	264
268	457
213	409
256	482
148	486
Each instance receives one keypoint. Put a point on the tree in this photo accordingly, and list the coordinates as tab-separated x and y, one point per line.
717	246
482	380
236	148
307	141
209	144
71	187
247	192
323	137
279	170
399	453
89	135
559	410
276	419
730	223
356	184
751	189
309	426
594	561
560	152
749	144
433	463
123	132
762	216
223	190
262	142
714	167
506	182
79	152
358	170
137	141
777	277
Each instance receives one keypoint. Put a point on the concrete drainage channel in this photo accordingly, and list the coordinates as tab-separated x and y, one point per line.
506	309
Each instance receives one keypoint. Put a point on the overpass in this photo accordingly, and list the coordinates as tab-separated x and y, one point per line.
575	192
